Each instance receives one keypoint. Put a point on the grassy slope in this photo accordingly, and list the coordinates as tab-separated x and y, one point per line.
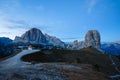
4	58
100	62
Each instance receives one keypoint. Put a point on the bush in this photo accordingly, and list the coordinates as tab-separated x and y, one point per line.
97	67
77	60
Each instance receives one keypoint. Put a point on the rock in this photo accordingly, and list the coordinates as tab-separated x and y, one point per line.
75	44
35	79
92	38
33	35
54	41
82	44
18	76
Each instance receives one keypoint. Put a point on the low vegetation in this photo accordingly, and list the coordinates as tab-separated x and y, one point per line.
99	61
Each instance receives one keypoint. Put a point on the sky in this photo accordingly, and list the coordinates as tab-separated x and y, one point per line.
68	20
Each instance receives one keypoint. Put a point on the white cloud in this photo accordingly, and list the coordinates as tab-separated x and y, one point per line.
10	28
9	5
91	5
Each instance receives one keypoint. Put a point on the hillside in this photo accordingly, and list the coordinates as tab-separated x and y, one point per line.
100	62
85	64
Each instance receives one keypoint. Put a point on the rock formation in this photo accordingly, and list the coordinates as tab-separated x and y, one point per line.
92	38
54	41
33	35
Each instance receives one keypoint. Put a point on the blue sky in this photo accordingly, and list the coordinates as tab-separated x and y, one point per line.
66	19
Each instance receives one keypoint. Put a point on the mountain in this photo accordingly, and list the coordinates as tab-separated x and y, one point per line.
6	47
5	40
54	41
34	36
118	42
111	48
84	64
92	38
100	62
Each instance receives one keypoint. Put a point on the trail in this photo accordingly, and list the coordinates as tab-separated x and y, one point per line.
116	68
15	61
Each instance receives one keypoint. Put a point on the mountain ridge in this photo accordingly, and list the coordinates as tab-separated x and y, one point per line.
35	36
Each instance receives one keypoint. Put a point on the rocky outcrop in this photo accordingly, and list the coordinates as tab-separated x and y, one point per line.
75	44
78	44
33	35
92	38
54	41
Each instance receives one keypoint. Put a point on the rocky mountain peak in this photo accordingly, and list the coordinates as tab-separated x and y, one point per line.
92	38
33	35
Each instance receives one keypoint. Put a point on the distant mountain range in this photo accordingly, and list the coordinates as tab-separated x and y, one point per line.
111	48
118	42
92	38
35	36
6	47
5	40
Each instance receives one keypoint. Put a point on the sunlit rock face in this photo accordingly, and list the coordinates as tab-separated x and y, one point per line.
92	38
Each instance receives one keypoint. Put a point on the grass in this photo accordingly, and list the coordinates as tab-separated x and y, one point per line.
99	61
4	58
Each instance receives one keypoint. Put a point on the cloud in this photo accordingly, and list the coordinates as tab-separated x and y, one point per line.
9	5
11	28
40	7
17	24
91	5
69	38
5	33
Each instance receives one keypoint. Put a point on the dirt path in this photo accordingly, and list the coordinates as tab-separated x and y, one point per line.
15	61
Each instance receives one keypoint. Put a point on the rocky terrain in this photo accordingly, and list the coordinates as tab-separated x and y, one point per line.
35	36
86	64
55	41
92	38
101	62
56	60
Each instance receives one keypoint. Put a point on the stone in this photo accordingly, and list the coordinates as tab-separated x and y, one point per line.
92	38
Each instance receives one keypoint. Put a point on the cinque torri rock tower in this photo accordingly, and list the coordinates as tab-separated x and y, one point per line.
92	38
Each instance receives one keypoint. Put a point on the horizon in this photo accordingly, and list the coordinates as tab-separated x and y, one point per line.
67	20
